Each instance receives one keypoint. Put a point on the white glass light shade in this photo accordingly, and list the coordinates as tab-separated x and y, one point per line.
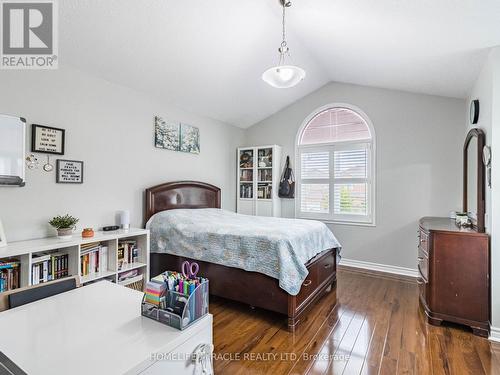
283	76
125	219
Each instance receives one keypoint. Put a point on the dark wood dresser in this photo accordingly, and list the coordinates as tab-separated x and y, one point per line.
454	272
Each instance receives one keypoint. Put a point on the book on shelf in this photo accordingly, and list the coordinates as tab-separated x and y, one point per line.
93	259
9	274
265	175
246	175
128	253
246	191
264	191
49	266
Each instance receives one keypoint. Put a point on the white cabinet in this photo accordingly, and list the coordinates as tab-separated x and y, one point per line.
181	359
259	172
99	329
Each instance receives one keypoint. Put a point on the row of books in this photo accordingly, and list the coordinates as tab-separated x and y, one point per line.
265	174
246	191
9	274
264	191
93	259
47	267
246	175
128	253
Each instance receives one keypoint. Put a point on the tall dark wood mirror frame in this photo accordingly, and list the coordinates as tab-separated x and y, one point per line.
481	204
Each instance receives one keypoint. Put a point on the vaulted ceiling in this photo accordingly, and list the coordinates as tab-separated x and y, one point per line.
208	56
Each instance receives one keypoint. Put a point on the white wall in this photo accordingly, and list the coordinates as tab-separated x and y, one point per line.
110	128
487	90
419	163
494	77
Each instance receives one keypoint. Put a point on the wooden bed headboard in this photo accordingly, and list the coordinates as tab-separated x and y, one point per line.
181	194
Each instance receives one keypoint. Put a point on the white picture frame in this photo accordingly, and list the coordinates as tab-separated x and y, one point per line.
3	239
69	171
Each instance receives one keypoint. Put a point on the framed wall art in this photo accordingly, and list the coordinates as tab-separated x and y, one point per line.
190	139
166	134
176	136
69	171
47	140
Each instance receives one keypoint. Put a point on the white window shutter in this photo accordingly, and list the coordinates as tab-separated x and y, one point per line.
336	177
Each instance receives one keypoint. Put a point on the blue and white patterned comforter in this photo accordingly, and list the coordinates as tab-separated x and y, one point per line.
275	247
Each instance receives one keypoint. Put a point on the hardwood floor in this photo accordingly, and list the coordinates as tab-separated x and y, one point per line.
375	328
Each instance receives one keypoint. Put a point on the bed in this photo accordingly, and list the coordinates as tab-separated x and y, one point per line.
316	267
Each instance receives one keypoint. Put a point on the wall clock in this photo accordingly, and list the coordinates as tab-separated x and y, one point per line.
474	111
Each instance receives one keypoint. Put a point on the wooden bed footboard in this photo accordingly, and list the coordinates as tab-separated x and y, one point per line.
259	290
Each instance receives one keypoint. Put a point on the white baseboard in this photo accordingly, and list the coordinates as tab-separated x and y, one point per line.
379	267
494	334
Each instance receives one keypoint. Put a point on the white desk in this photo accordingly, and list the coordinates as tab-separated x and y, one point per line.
97	329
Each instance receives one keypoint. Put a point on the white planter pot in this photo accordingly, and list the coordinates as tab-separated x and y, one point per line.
65	233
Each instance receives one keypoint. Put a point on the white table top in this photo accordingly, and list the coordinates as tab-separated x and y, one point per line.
96	329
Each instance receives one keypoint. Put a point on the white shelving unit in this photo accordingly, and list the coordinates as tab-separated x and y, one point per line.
24	251
259	172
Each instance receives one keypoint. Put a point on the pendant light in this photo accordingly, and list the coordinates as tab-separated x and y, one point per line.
284	75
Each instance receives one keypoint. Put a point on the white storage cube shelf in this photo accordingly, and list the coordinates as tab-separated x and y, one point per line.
26	252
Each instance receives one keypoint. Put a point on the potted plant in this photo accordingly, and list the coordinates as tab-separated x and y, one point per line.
65	225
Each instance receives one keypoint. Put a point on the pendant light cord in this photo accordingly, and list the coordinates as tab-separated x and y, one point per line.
284	48
283	43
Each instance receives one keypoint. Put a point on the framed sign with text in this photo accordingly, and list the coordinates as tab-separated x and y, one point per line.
69	171
47	139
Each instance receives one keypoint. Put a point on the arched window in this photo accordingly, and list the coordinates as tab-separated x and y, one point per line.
336	166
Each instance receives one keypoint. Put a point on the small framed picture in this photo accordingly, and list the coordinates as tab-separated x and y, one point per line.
47	140
69	171
3	239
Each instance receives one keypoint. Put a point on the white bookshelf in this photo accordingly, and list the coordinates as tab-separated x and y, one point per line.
25	250
259	172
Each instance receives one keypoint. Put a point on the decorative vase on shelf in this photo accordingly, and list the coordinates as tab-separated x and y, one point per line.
88	233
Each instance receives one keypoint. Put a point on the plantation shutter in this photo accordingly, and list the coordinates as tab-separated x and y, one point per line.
350	182
336	167
315	181
335	182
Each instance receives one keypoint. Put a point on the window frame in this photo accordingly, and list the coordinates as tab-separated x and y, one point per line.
331	147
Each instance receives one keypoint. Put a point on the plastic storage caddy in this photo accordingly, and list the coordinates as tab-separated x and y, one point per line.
179	310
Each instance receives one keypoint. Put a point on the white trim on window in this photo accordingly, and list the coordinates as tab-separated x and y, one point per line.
369	144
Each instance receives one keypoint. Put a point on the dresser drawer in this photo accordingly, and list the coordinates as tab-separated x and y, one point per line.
309	285
325	267
423	240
